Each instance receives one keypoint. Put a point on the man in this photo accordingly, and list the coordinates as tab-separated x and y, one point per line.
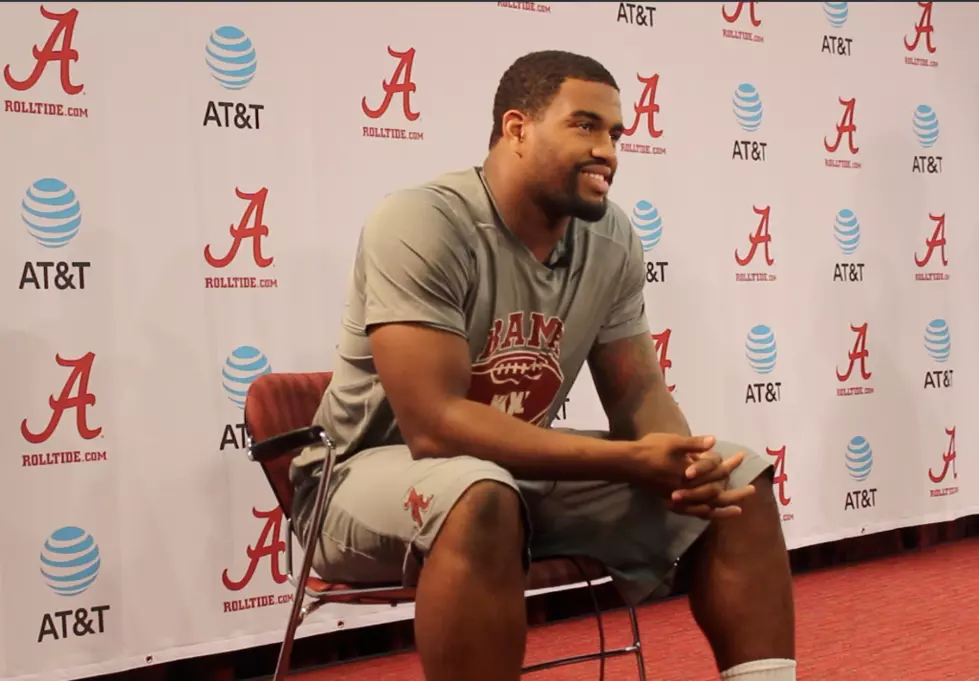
476	299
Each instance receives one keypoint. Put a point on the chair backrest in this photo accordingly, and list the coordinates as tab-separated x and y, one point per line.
276	404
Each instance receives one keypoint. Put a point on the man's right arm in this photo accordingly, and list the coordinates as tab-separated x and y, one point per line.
416	266
425	373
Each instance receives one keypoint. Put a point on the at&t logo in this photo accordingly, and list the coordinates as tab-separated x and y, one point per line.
53	216
646	106
58	48
934	245
947	466
762	354
846	232
859	459
251	226
836	15
75	396
848	128
636	14
240	369
924	122
70	561
761	241
748	112
70	564
922	40
232	62
231	58
731	16
859	463
400	84
648	224
857	372
938	346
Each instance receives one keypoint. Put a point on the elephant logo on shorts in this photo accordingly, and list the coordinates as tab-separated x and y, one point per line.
415	504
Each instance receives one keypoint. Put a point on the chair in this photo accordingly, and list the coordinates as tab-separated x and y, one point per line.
278	411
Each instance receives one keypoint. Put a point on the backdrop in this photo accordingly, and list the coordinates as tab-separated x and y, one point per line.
181	193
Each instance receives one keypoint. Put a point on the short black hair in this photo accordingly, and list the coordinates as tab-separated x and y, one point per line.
531	82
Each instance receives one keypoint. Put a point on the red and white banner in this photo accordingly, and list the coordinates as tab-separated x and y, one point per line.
181	192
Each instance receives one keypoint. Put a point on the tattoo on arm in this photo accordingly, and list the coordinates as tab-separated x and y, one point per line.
632	390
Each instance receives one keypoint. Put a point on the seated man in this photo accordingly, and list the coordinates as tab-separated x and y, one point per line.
475	300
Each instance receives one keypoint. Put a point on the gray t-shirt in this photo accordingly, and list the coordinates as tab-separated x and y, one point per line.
438	254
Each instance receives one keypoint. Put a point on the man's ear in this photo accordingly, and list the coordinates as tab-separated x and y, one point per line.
514	128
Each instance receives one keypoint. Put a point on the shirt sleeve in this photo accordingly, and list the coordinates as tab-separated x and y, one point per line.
416	263
627	314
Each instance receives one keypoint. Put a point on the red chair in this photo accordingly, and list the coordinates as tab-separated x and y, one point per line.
278	411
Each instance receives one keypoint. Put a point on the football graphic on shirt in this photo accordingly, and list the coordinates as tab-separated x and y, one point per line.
523	383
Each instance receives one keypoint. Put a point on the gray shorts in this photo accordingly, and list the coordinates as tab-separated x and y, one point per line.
385	510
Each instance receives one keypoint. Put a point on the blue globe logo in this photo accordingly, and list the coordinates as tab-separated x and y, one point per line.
925	123
938	340
836	13
747	107
648	224
51	212
241	368
846	229
70	561
859	458
231	58
760	349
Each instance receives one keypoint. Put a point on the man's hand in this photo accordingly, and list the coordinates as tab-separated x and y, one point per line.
661	461
704	493
693	478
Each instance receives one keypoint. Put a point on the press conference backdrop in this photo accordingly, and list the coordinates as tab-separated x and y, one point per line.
181	194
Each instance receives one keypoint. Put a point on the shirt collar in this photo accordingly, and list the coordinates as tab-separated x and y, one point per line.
563	250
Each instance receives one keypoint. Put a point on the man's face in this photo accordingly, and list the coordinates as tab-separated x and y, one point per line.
571	150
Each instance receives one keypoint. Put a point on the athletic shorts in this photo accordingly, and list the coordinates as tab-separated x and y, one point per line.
385	510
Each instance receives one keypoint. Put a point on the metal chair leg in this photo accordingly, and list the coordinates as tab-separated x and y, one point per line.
636	643
602	653
296	614
598	618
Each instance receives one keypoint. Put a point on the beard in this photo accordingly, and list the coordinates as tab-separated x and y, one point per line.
570	203
583	209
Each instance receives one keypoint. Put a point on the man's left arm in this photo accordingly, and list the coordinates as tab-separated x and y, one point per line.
632	389
627	376
623	361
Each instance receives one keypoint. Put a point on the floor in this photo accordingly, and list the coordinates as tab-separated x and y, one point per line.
914	617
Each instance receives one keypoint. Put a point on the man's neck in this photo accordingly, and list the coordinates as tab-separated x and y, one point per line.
520	214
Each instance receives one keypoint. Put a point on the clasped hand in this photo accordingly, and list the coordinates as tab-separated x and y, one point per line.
694	478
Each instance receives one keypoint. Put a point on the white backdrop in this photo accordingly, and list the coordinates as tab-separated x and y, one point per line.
136	531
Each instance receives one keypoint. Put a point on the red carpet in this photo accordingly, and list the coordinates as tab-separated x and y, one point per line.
910	618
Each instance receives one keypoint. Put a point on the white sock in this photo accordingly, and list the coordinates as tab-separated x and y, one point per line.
762	670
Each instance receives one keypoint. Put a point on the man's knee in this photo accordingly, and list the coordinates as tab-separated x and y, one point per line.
754	470
485	525
754	532
761	510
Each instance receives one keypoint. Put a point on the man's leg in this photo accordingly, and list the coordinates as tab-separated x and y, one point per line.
452	527
470	615
741	590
